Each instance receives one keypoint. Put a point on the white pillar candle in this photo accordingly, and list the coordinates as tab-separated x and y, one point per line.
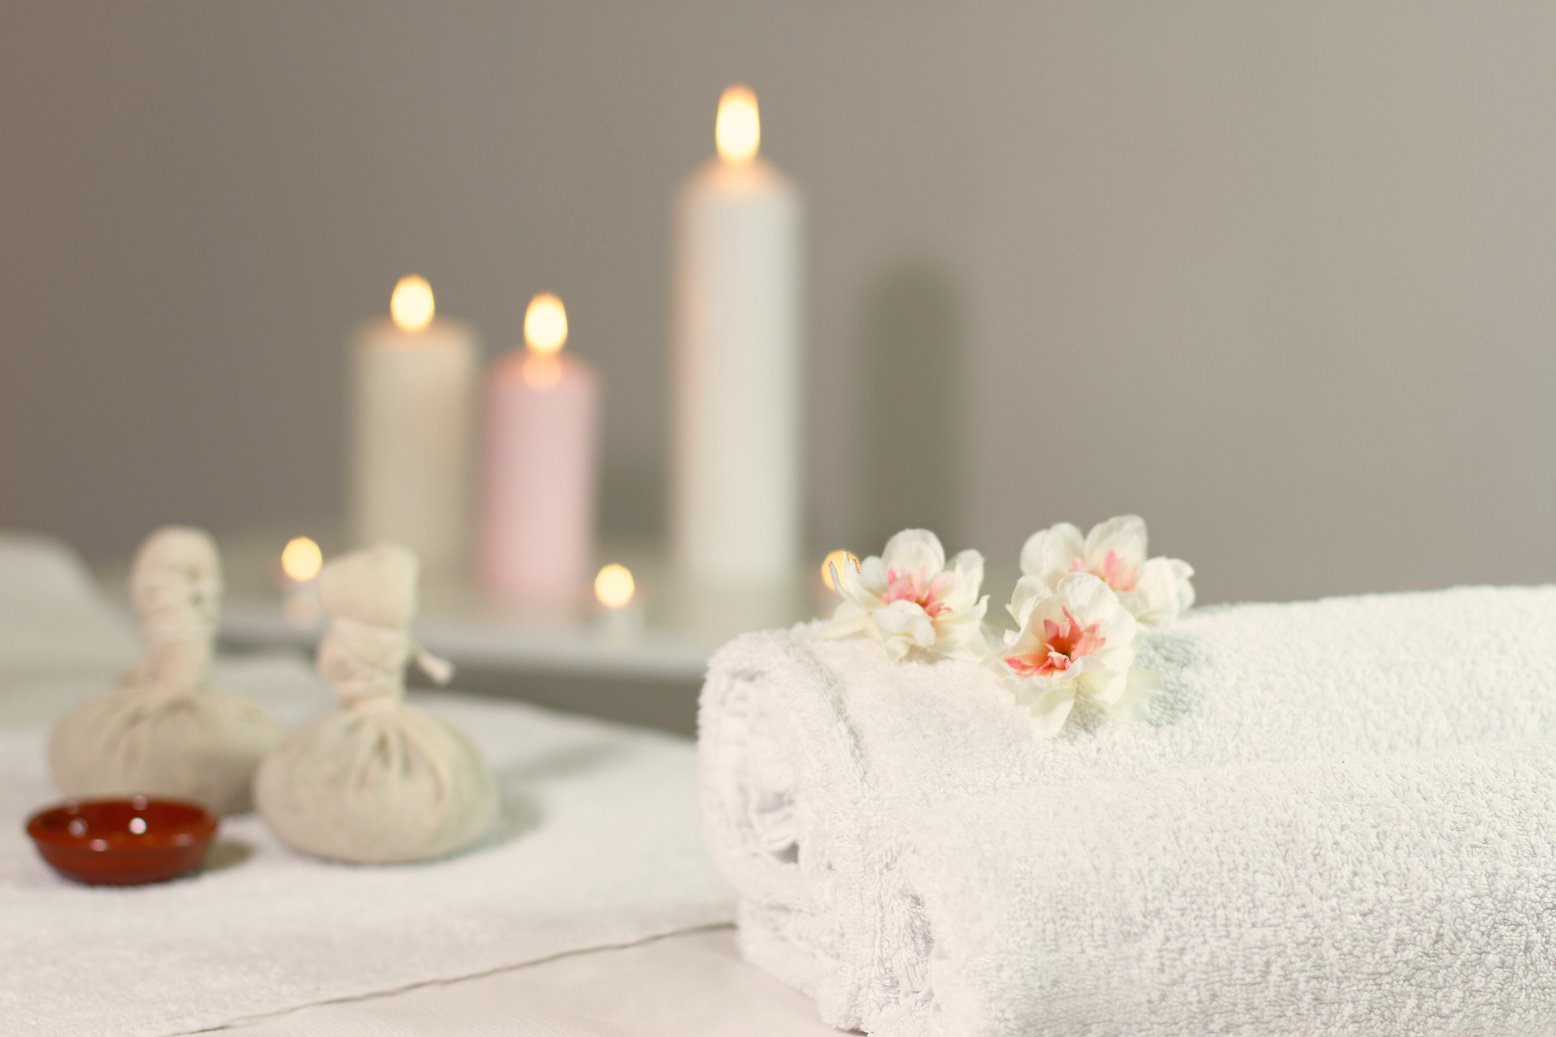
736	507
412	385
542	429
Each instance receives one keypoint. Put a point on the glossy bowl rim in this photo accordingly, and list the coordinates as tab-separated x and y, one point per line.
202	826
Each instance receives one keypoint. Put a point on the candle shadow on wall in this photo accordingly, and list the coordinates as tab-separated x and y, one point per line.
909	398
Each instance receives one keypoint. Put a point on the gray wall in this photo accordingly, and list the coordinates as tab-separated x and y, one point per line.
1278	276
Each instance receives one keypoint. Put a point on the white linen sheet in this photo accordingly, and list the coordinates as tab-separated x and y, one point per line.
598	845
691	984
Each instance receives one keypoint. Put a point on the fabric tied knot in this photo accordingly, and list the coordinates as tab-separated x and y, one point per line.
177	609
366	663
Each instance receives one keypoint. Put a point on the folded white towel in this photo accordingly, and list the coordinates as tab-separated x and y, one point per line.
810	748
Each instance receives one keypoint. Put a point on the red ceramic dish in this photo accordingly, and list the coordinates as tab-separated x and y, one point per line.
123	842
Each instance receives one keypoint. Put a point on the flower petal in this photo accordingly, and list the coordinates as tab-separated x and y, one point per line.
959	635
966	580
1124	535
1048	705
1140	687
848	621
1089	599
867	585
1050	553
1107	687
1029	591
914	551
905	623
1165	591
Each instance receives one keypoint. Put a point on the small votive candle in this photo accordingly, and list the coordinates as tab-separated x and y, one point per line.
301	561
620	614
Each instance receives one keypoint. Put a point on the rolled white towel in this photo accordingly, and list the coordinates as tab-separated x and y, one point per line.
807	745
773	744
1364	896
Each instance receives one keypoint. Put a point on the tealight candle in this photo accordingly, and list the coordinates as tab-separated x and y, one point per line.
542	429
301	561
737	353
412	385
616	591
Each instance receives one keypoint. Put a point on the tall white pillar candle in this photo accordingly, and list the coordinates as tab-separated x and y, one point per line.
736	506
412	390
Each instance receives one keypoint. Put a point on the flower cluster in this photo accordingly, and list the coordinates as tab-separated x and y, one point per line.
909	600
1154	590
1077	607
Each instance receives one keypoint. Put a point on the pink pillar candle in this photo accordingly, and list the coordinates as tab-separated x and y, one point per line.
537	537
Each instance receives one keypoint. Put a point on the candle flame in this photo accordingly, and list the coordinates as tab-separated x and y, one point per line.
832	568
545	323
301	559
411	304
738	128
614	586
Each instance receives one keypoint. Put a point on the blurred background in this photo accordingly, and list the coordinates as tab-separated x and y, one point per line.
1277	277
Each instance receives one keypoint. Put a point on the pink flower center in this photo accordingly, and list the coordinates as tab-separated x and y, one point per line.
1113	571
928	596
1062	645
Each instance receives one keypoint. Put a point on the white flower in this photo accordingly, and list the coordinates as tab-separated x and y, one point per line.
1077	640
1138	691
1154	590
909	600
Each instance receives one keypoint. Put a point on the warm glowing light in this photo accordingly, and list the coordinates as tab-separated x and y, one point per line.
301	559
738	128
411	304
836	560
545	324
614	586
